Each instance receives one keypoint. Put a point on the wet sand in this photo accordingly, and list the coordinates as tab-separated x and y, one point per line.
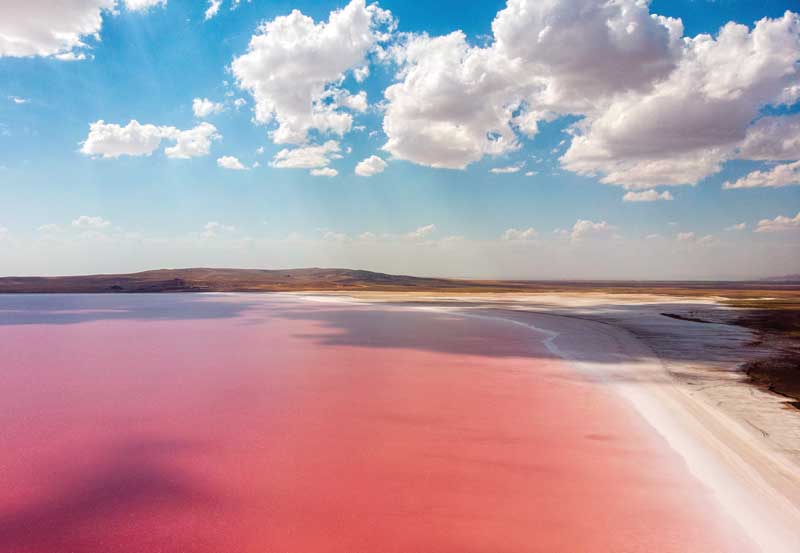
227	423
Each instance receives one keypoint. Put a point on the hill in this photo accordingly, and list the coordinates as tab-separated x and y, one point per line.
318	279
224	280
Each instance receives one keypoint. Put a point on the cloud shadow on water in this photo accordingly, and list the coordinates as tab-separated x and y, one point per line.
133	476
27	309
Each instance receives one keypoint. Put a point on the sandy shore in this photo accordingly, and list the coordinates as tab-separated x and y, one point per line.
682	377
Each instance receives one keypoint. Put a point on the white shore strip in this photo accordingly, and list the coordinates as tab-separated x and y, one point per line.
716	450
755	486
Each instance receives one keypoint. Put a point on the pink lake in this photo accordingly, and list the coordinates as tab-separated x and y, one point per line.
267	423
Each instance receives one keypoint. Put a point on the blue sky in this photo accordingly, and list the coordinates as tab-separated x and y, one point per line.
72	201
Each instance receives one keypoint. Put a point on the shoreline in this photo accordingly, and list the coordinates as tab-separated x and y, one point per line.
753	480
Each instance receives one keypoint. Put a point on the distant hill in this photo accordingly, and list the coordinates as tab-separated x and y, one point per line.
223	280
288	280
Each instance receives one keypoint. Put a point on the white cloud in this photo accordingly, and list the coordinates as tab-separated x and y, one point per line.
307	157
356	102
230	162
779	223
192	142
507	169
213	8
361	73
646	196
530	173
3	232
584	228
513	234
324	172
47	28
143	5
212	229
90	222
370	166
293	64
203	107
570	53
421	232
685	126
452	106
685	236
17	100
456	103
738	226
772	139
110	140
70	56
785	174
57	29
658	108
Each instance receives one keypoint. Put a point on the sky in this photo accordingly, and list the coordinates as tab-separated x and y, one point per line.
540	139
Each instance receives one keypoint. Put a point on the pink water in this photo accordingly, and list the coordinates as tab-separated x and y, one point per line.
216	424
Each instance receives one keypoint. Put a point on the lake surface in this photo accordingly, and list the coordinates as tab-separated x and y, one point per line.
268	423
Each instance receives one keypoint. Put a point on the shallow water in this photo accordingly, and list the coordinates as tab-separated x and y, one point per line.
268	423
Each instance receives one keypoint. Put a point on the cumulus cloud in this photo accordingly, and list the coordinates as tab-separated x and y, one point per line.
307	157
507	169
143	5
455	103
573	52
514	234
361	73
646	196
657	108
110	140
192	142
772	139
212	9
785	174
584	228
57	29
324	172
685	126
46	28
421	232
17	100
230	162
779	223
203	107
90	222
294	66
370	166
